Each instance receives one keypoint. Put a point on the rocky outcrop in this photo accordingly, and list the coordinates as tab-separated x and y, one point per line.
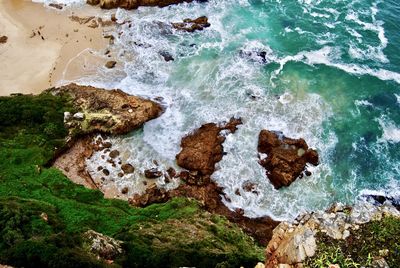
96	110
133	4
292	243
189	25
102	246
105	111
286	158
202	149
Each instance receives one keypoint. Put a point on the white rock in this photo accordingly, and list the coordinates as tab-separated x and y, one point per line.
79	116
67	116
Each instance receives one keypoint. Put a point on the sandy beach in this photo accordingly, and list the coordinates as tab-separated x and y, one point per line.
44	45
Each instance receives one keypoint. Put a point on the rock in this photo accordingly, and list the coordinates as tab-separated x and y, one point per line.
202	149
114	153
57	6
171	172
110	64
167	56
3	39
152	173
286	158
133	4
102	110
79	116
290	247
379	263
106	172
127	168
125	190
190	25
103	246
67	116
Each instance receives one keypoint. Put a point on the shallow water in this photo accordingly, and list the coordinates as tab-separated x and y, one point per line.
331	75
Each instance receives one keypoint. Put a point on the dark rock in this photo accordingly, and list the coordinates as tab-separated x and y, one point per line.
3	39
152	173
190	25
120	174
287	158
127	168
57	6
106	172
125	190
111	64
171	172
107	144
99	168
308	173
167	56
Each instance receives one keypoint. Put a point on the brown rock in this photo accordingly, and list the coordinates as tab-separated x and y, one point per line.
111	64
125	190
93	2
152	173
287	158
103	112
127	168
190	25
3	39
114	153
202	149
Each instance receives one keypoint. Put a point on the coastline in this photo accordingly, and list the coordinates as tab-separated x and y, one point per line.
38	54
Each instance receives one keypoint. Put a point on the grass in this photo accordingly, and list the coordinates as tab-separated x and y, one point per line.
362	247
43	214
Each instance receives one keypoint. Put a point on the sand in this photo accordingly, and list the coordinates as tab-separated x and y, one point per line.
45	47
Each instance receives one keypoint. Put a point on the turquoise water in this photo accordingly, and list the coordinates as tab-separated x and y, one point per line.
331	75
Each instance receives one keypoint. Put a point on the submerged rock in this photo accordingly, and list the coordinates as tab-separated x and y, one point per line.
286	158
190	25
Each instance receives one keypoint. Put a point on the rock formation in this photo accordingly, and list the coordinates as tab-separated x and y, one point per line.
203	148
190	25
102	246
105	111
292	243
133	4
286	158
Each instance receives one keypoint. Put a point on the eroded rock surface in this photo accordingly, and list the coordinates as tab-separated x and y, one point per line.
292	243
103	246
286	158
202	149
106	111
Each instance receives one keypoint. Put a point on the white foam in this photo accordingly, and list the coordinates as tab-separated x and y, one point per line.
391	133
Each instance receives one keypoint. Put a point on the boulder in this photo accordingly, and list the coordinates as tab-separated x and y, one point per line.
110	64
127	168
286	158
152	173
133	4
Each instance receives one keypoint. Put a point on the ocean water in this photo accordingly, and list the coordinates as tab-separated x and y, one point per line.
331	75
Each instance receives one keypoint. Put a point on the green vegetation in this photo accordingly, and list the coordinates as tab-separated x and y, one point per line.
373	240
43	214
